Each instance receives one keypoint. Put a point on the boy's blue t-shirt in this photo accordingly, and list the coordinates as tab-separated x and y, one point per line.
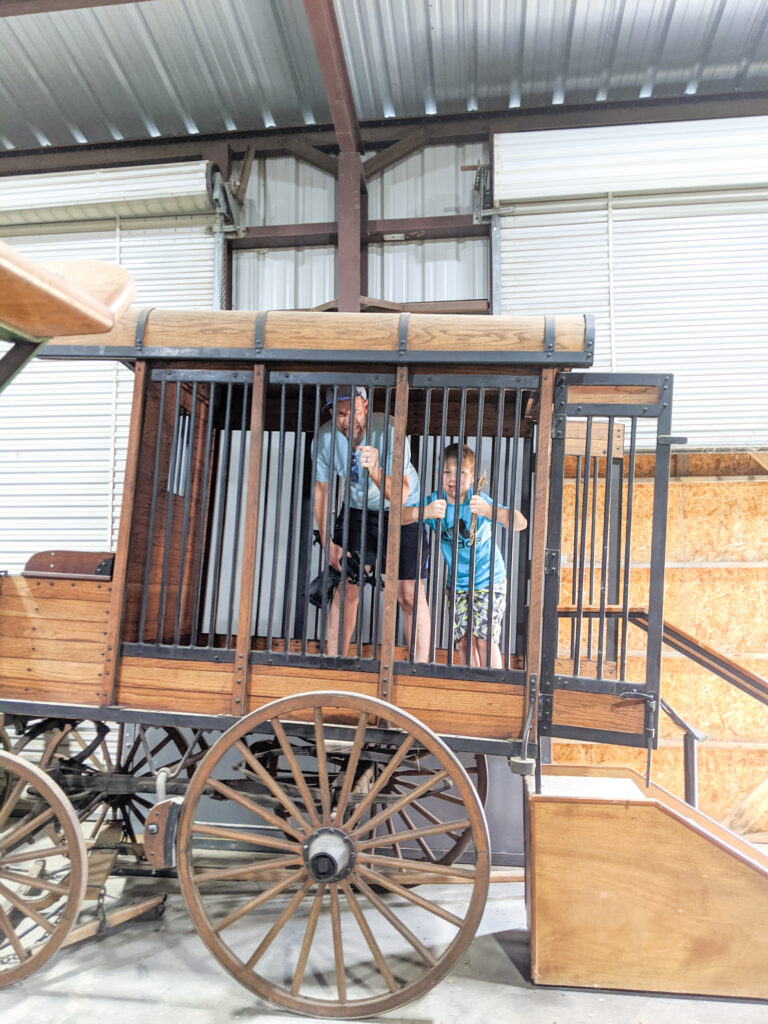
380	436
483	543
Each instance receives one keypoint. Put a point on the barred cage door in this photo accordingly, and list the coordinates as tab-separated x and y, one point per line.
604	583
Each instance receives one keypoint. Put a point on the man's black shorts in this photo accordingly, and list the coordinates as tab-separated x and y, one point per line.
409	542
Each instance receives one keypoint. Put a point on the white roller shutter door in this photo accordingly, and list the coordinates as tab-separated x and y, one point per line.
64	425
677	281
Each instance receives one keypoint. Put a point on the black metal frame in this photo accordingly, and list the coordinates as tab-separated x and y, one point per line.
612	558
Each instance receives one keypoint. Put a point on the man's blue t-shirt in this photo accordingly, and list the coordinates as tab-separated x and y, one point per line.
483	543
381	435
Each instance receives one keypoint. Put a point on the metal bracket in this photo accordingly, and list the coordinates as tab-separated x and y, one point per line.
670	440
402	334
559	421
551	562
258	331
141	327
549	336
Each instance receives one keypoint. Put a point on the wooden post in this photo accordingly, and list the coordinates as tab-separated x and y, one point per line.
387	652
248	569
539	535
114	624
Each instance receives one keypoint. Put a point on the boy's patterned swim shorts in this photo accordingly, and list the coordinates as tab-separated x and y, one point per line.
480	608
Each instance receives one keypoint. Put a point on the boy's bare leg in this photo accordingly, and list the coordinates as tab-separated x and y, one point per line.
408	592
480	652
351	600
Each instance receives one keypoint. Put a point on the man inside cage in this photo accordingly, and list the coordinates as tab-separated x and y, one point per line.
365	473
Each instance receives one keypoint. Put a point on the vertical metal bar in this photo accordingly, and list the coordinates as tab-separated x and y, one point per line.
331	501
511	501
292	549
524	550
344	583
455	536
278	507
152	510
592	545
628	549
604	567
238	512
364	533
438	464
262	507
387	651
174	455
550	643
219	531
472	552
613	583
382	519
494	491
690	768
186	482
658	543
201	542
580	464
582	555
309	538
420	521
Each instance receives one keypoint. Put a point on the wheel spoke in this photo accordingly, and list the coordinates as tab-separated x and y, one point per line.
249	805
422	845
322	766
449	870
298	774
266	942
394	808
447	797
34	882
238	836
35	854
26	908
306	945
395	921
365	928
25	828
381	782
338	946
276	790
242	873
395	838
351	768
257	901
378	879
10	933
10	803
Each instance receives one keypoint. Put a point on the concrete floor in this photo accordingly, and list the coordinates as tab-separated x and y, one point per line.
152	971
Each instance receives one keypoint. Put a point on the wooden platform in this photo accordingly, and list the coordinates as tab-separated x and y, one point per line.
629	888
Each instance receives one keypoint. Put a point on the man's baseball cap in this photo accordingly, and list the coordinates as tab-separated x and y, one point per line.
344	394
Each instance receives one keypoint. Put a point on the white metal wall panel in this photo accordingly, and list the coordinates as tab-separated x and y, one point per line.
723	152
282	190
677	282
283	278
429	271
64	425
429	183
37	199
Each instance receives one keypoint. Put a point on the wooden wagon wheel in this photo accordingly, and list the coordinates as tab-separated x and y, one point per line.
41	850
77	755
314	910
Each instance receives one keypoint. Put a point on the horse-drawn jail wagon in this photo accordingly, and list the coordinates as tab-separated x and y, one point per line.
307	756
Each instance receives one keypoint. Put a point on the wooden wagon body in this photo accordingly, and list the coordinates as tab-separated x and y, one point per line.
200	626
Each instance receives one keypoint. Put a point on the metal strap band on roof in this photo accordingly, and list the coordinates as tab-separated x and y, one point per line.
402	333
258	331
141	326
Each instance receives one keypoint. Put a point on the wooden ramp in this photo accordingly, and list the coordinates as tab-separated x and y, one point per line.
630	888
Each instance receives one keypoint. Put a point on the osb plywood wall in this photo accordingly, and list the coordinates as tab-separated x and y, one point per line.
716	589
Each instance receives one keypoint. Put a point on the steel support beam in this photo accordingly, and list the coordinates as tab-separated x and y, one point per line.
349	212
14	8
407	229
326	37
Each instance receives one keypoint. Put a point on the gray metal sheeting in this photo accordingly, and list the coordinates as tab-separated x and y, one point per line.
181	67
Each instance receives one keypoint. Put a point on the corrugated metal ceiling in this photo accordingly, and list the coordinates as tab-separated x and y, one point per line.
182	67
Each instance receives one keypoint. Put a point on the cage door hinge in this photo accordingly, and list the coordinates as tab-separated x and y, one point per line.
551	561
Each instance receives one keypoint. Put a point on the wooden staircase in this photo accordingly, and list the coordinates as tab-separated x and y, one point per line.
631	888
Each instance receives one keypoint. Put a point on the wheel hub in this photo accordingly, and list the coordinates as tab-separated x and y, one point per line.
329	854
